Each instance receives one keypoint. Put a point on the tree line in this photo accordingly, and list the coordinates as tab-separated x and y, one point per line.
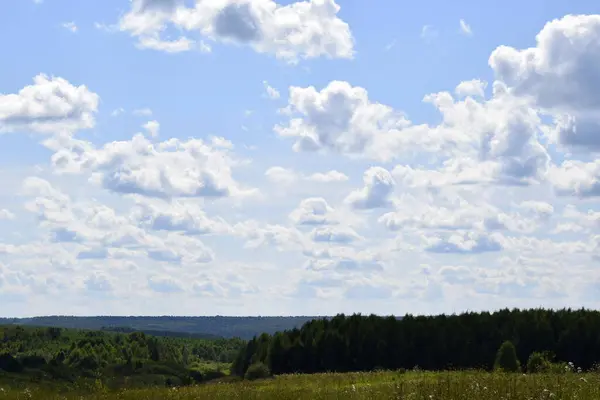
215	326
67	354
466	341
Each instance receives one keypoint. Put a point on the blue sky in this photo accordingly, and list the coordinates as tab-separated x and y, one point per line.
254	157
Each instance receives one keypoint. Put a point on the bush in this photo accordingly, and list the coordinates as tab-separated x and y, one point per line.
537	363
560	368
257	371
506	358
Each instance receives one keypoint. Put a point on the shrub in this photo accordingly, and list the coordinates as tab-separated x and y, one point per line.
506	358
537	363
257	371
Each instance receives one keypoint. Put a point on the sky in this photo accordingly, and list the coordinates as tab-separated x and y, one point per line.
261	157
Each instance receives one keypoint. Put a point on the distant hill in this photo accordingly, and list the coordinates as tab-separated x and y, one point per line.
199	327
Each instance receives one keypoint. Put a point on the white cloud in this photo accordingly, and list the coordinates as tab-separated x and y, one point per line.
164	284
474	87
576	178
281	175
465	28
334	234
390	45
303	29
328	177
145	112
117	111
152	127
169	46
341	118
314	211
462	243
173	168
51	104
287	176
559	74
480	195
6	214
272	93
71	26
379	185
178	216
492	141
429	32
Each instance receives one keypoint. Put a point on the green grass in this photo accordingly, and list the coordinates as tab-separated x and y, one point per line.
376	385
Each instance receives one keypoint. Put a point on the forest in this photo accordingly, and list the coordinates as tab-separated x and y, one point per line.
52	354
443	342
206	327
533	340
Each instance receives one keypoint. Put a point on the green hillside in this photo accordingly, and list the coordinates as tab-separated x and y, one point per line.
207	327
67	357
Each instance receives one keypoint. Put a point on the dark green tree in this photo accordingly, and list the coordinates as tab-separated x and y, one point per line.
506	358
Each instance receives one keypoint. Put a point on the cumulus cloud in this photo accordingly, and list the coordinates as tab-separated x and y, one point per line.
281	175
152	127
172	168
462	243
178	216
280	237
328	177
339	118
474	87
423	213
102	233
576	178
302	29
560	75
51	104
287	176
334	234
314	211
540	209
488	141
379	185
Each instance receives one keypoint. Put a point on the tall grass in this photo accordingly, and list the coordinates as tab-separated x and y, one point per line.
376	385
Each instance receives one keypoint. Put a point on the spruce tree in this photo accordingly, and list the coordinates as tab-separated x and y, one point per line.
506	358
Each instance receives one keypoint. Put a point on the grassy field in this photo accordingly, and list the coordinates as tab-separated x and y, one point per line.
376	385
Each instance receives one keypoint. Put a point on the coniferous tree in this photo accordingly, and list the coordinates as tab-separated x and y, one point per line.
506	358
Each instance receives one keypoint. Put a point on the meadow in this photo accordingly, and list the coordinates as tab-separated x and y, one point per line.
368	385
